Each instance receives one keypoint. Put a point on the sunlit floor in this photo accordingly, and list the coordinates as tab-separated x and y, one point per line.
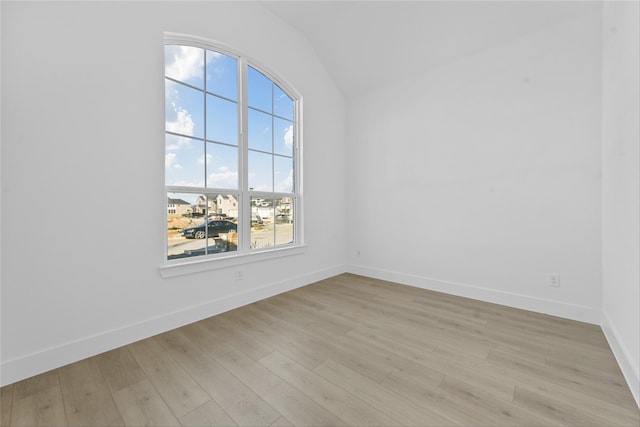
344	351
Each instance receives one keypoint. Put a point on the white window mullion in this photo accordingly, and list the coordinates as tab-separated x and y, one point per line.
204	159
244	217
273	167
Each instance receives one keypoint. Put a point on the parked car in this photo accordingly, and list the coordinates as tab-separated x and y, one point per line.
218	216
214	227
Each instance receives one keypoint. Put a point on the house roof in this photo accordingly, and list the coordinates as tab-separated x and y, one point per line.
177	201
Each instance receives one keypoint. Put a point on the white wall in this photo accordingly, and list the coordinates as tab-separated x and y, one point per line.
482	177
621	186
82	134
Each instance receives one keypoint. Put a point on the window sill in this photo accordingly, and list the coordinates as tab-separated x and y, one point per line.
231	260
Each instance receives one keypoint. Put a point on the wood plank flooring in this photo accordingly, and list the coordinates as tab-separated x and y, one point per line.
349	351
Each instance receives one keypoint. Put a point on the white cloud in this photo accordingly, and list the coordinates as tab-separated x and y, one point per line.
201	159
288	137
286	185
175	143
183	183
223	178
170	161
184	62
216	70
259	187
262	187
183	122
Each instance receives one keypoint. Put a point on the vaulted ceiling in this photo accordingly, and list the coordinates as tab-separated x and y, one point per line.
366	44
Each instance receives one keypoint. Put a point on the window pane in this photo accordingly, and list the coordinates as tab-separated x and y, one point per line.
198	225
183	161
222	75
284	220
259	90
222	166
185	63
184	109
260	172
283	137
183	214
260	131
283	174
222	120
282	104
262	231
222	229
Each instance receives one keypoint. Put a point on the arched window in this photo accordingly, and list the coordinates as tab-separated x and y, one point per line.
232	154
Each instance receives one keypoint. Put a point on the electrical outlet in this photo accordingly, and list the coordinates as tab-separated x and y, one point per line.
554	280
238	275
358	253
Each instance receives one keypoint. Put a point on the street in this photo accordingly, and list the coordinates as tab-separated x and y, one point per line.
261	237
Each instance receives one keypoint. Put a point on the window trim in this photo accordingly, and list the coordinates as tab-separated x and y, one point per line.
200	264
244	254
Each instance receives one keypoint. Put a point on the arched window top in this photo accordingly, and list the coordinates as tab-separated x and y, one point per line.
193	41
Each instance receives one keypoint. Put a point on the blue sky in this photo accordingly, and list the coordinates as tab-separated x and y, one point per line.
270	138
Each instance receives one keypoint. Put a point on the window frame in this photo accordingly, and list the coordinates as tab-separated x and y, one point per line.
244	253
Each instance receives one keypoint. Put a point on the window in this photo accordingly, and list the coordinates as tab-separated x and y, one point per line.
231	154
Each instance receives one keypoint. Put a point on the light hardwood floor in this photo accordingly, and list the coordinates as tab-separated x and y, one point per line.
345	351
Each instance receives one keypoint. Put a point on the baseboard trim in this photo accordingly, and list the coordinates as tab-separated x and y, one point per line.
623	357
42	361
525	302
